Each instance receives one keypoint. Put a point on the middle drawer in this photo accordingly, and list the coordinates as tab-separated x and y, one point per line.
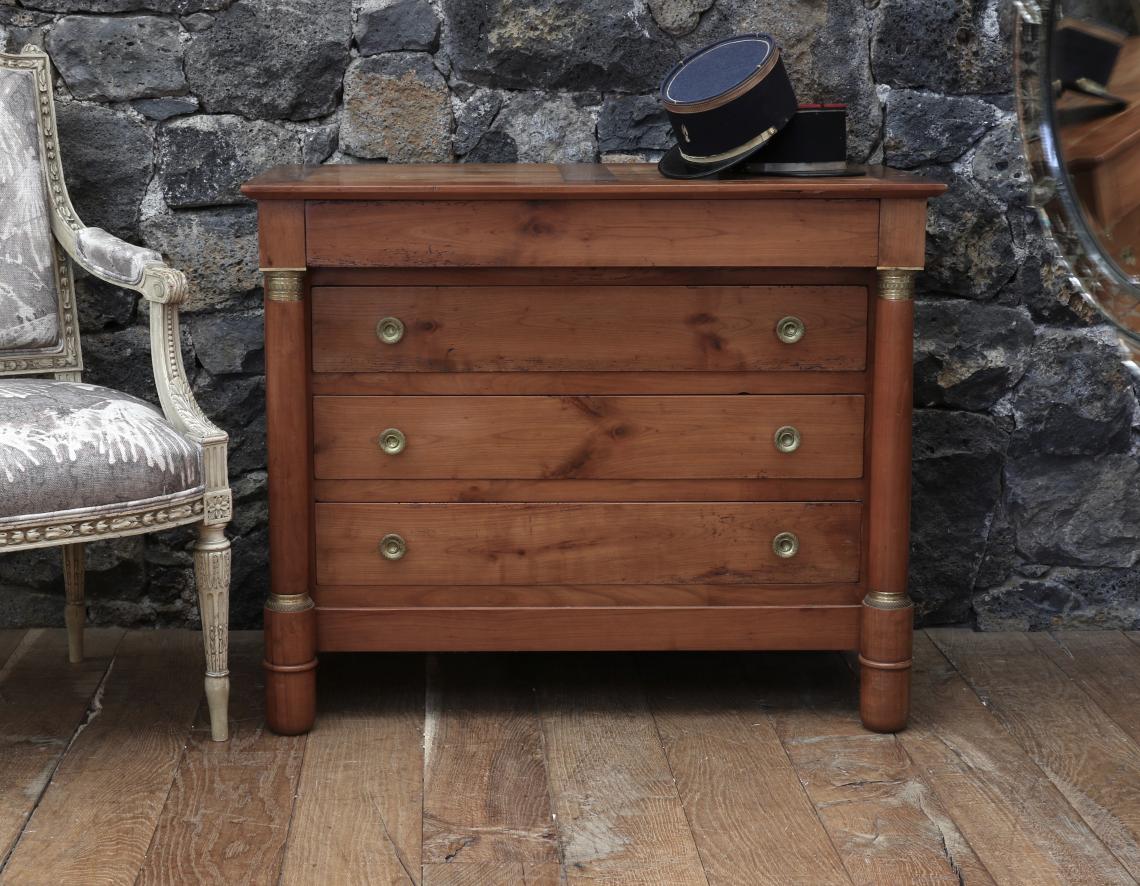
623	437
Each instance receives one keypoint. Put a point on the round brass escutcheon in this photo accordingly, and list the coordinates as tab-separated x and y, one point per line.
393	547
787	439
790	330
786	544
393	441
390	330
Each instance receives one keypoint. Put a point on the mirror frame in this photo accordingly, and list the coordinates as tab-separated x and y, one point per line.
1100	281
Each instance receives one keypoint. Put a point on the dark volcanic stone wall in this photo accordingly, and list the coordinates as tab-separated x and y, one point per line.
1026	470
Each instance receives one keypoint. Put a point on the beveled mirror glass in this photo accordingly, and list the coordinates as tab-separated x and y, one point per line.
1078	78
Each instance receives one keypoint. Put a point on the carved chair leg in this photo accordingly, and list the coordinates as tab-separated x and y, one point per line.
75	613
212	569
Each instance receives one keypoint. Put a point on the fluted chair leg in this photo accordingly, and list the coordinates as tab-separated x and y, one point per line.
212	569
75	613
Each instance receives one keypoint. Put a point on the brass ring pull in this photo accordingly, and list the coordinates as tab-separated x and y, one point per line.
390	330
392	441
787	439
790	330
785	545
393	547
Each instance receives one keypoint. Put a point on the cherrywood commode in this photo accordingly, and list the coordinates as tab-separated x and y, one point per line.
584	408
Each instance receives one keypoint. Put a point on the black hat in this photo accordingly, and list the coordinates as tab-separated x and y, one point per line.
725	102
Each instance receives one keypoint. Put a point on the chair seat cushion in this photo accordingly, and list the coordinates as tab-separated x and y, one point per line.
66	446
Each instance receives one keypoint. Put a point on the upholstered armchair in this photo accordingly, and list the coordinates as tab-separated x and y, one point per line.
79	462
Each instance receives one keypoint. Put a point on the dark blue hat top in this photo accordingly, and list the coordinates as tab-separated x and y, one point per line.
716	69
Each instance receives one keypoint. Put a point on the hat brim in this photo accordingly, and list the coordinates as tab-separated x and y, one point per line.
673	165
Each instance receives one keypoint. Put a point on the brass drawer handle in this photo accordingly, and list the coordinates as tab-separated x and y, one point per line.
393	441
790	330
787	439
390	330
785	545
393	547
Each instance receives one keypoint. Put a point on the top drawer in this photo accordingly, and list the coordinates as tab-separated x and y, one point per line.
589	328
738	233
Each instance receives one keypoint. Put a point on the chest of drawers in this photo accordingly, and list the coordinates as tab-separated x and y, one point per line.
587	408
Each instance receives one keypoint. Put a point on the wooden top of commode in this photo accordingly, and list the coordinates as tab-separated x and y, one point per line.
575	181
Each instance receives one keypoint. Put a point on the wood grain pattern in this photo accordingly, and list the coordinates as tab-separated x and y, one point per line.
536	628
596	328
627	543
902	233
1020	825
797	489
529	181
43	700
95	821
587	437
740	794
485	790
1091	760
883	817
516	233
620	818
358	811
566	278
227	815
492	873
589	383
1104	665
364	596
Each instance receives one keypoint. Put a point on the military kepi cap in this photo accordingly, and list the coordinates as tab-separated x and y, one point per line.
725	102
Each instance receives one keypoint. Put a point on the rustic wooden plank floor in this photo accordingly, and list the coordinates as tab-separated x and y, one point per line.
1022	765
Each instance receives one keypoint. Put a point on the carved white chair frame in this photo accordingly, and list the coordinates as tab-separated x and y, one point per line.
164	289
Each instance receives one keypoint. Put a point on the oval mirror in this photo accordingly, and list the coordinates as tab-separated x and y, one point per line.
1078	88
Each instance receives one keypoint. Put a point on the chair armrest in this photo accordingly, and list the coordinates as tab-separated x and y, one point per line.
143	270
116	261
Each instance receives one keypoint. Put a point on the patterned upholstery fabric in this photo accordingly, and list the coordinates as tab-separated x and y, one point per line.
66	446
111	257
29	304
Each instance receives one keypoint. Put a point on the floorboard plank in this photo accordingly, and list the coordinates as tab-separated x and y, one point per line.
359	807
491	873
1090	759
1106	665
9	639
886	822
43	700
98	814
486	797
1020	825
618	813
227	815
752	822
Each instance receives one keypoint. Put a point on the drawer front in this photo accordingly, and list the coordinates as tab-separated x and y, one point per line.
593	234
630	328
620	543
550	438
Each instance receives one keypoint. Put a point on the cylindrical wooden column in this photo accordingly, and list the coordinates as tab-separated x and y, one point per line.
888	614
290	620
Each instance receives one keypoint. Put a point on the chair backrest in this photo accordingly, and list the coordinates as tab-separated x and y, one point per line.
39	330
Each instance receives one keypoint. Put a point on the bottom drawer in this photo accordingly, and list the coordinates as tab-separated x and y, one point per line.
598	543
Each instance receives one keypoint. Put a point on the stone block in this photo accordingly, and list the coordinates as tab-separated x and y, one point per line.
396	25
117	58
204	160
272	60
396	108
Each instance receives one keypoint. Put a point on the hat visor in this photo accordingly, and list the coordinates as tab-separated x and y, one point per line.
673	165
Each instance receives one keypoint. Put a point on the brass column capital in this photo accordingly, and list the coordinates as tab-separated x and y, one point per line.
284	284
886	601
896	284
289	602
